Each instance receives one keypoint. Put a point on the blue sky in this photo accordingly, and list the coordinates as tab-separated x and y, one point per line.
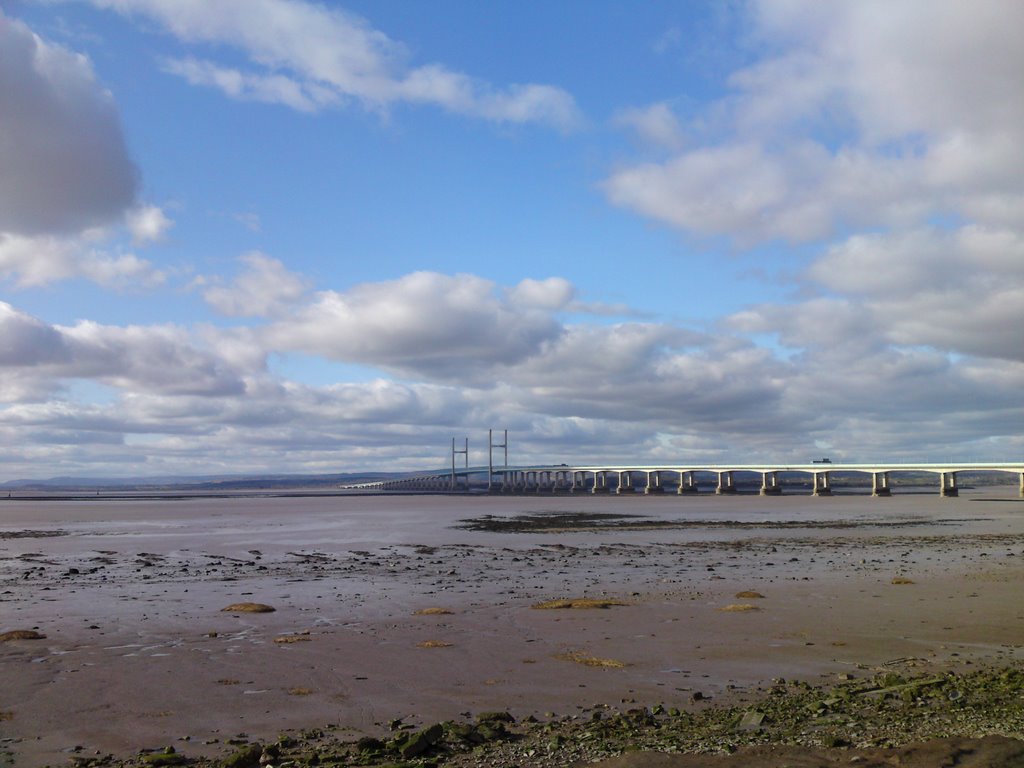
277	235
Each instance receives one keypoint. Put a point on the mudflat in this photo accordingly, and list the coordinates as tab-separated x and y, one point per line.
393	613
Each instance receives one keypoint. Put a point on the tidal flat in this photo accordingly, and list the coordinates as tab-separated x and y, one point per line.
394	613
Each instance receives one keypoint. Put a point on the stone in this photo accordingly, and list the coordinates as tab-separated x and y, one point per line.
369	744
421	741
495	717
21	634
248	608
246	757
751	721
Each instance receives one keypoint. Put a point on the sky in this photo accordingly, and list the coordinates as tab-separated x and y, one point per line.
286	236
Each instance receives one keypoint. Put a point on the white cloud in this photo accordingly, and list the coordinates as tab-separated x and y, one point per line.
160	359
65	173
553	294
246	86
870	114
959	291
27	341
427	323
737	189
147	223
63	162
308	56
43	259
265	288
654	124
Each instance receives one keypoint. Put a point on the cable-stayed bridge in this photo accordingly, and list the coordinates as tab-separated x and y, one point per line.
684	478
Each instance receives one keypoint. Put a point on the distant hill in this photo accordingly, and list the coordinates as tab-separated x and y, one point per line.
196	483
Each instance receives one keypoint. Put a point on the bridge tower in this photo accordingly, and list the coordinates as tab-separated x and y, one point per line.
491	445
465	451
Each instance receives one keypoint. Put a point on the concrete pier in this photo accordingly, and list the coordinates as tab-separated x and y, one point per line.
725	482
880	484
654	482
947	484
770	484
600	482
625	482
687	482
822	484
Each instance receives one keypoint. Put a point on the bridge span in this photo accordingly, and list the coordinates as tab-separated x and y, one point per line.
682	479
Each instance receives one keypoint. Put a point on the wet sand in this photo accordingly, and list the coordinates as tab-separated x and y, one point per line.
138	652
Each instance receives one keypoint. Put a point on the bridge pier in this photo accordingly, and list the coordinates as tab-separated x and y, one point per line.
947	484
687	482
770	484
822	484
579	480
1022	484
600	481
654	483
625	482
725	482
880	484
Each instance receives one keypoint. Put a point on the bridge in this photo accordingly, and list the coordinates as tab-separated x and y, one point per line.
678	478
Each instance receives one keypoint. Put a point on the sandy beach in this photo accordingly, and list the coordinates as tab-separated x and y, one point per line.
422	608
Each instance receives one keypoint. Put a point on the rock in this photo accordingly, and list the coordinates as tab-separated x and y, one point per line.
751	721
421	741
246	757
21	634
495	717
249	608
368	744
166	757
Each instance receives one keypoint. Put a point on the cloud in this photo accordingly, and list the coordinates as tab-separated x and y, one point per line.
888	136
654	124
959	291
265	288
308	57
245	86
159	359
65	174
35	261
865	114
737	189
147	224
424	323
27	341
553	294
63	162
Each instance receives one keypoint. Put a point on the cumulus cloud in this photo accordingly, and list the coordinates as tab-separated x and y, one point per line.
431	324
889	135
161	359
959	291
42	259
63	162
554	293
922	107
654	124
147	223
308	56
265	288
65	173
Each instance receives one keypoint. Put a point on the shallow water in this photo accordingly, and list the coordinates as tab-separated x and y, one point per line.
130	596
